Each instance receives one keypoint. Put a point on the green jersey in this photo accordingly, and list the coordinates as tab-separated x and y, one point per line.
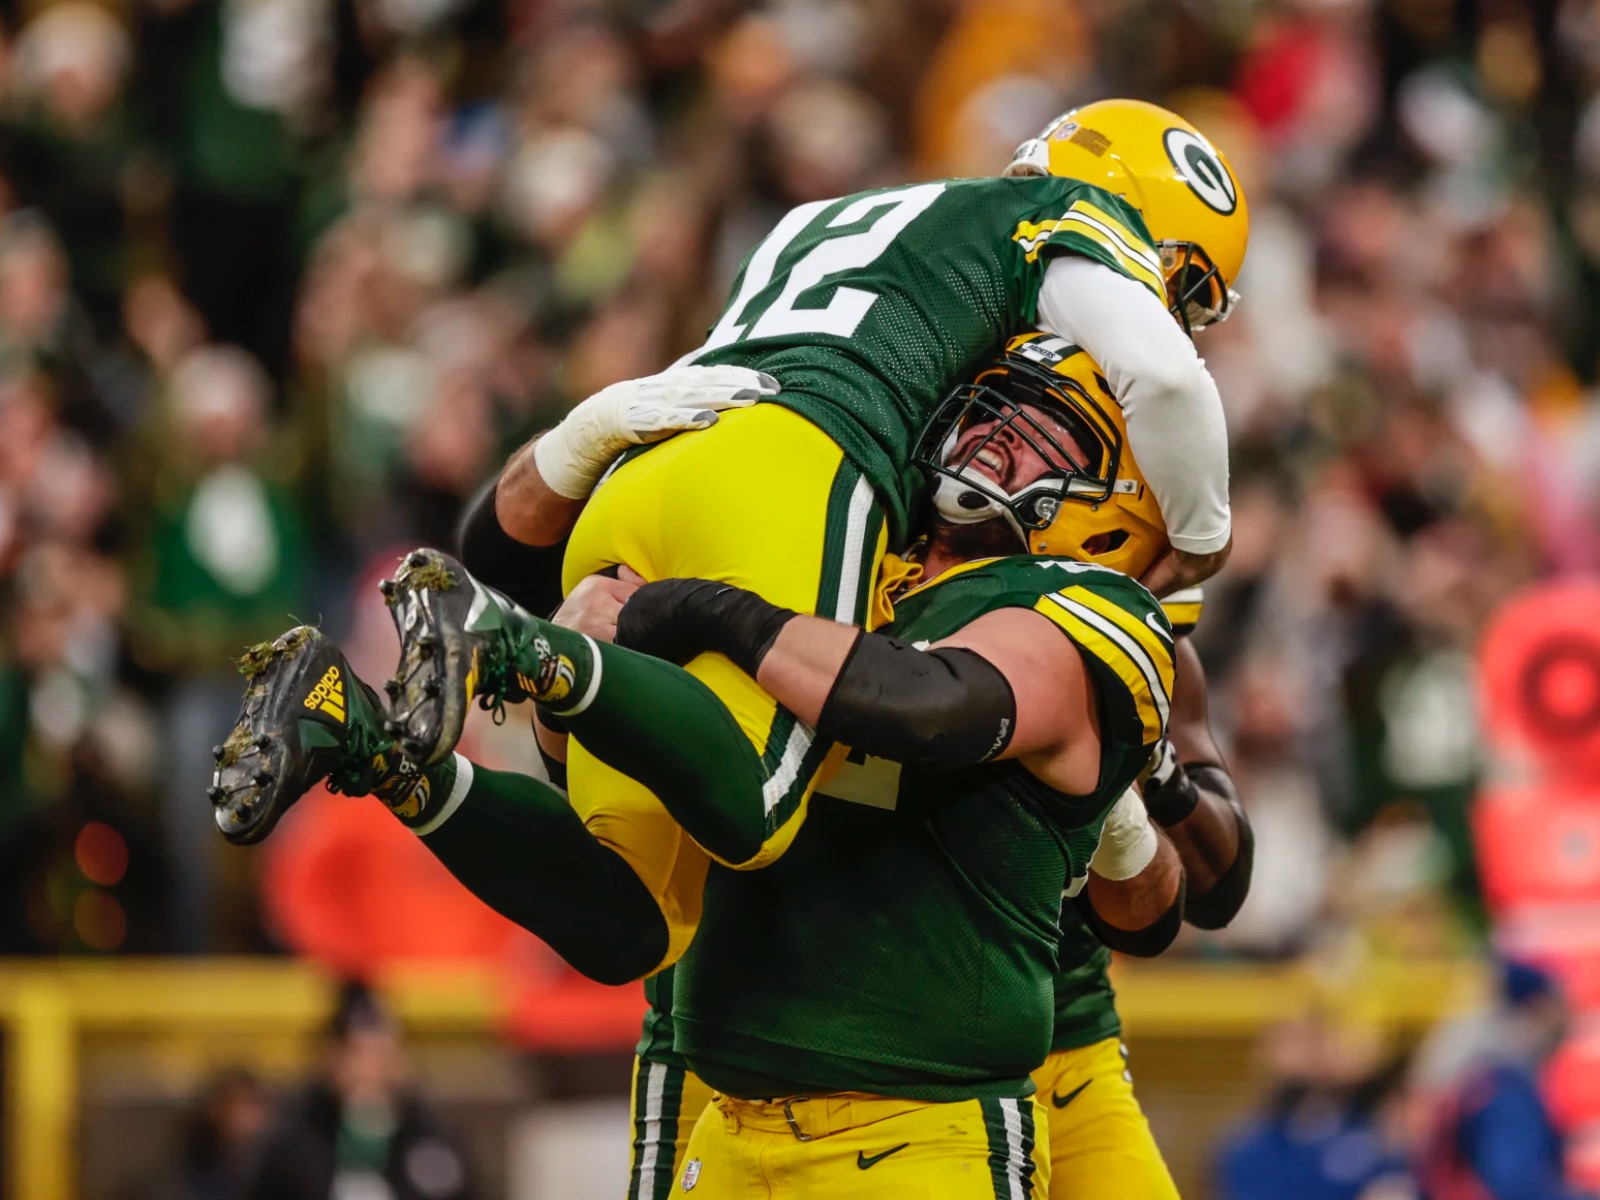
869	308
906	943
1086	1003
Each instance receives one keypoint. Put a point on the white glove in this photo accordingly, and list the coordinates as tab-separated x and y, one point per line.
572	456
1128	840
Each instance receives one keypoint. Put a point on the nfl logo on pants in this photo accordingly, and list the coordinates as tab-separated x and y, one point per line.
691	1173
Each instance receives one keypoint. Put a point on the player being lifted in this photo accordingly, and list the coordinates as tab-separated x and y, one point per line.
1118	218
1040	692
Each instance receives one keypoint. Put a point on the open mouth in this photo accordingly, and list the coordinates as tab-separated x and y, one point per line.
991	462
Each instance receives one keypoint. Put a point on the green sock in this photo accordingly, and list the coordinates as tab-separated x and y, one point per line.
661	726
517	845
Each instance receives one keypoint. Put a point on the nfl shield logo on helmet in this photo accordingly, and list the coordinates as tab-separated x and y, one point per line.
691	1173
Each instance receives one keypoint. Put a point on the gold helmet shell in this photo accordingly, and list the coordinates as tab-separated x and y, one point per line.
1100	510
1181	184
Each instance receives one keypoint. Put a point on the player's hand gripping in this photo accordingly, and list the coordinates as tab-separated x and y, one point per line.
572	456
592	607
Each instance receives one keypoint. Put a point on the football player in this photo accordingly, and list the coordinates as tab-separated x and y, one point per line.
1099	1142
1119	218
869	1007
1101	1147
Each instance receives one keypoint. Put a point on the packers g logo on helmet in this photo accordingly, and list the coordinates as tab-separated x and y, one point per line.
1200	165
1099	509
1181	184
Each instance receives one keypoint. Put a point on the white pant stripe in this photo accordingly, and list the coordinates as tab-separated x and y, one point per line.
1016	1163
650	1153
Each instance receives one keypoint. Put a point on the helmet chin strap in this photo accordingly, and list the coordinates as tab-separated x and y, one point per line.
970	500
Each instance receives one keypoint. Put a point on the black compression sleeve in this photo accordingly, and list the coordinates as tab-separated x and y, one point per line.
530	575
680	619
1171	799
1141	943
1226	897
935	710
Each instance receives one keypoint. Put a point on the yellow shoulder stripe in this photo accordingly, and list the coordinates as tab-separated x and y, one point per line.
1127	240
1156	644
1182	616
1112	648
1184	608
1133	263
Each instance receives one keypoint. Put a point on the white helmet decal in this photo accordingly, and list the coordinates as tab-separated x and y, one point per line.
1202	169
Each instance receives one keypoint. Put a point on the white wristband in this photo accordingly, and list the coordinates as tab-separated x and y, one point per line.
1128	841
564	472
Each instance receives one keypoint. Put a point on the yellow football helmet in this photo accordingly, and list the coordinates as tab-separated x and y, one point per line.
1097	510
1182	185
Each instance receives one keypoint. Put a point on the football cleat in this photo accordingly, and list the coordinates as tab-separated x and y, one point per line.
459	642
305	717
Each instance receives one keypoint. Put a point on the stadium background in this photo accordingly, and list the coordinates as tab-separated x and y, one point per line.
281	280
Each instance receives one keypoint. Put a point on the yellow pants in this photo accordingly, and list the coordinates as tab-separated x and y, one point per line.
1101	1147
765	500
855	1147
667	1100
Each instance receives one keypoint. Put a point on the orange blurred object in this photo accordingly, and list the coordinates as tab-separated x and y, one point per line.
349	886
1539	674
1538	845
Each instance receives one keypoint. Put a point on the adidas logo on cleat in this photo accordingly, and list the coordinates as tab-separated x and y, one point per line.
328	695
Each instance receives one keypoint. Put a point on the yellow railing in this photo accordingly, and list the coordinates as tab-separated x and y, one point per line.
48	1009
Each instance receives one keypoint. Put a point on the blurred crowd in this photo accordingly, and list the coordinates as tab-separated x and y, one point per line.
282	280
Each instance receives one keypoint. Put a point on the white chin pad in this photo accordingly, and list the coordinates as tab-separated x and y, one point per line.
947	498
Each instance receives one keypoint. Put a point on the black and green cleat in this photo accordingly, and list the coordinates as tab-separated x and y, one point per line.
305	716
459	642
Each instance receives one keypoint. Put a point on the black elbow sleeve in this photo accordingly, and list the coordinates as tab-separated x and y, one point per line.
1226	897
529	575
933	710
1148	942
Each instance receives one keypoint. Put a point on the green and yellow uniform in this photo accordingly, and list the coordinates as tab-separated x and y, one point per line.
869	1008
1101	1147
866	309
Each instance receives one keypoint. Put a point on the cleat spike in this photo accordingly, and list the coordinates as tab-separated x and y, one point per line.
431	688
416	559
263	743
215	794
391	688
387	587
216	753
263	778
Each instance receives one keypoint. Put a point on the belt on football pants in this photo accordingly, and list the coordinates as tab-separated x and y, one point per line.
811	1117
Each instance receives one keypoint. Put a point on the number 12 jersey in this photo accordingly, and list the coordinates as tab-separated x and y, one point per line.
869	308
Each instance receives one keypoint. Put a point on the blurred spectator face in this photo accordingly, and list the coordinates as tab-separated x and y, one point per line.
33	280
219	398
367	1065
232	1112
161	322
400	134
827	140
74	57
752	66
26	425
554	183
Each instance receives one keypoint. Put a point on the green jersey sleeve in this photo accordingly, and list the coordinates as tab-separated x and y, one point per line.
1097	225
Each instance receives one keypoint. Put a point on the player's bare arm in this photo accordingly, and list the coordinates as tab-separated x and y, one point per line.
1192	796
1138	913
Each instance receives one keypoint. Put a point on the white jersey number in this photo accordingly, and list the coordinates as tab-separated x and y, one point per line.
844	312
